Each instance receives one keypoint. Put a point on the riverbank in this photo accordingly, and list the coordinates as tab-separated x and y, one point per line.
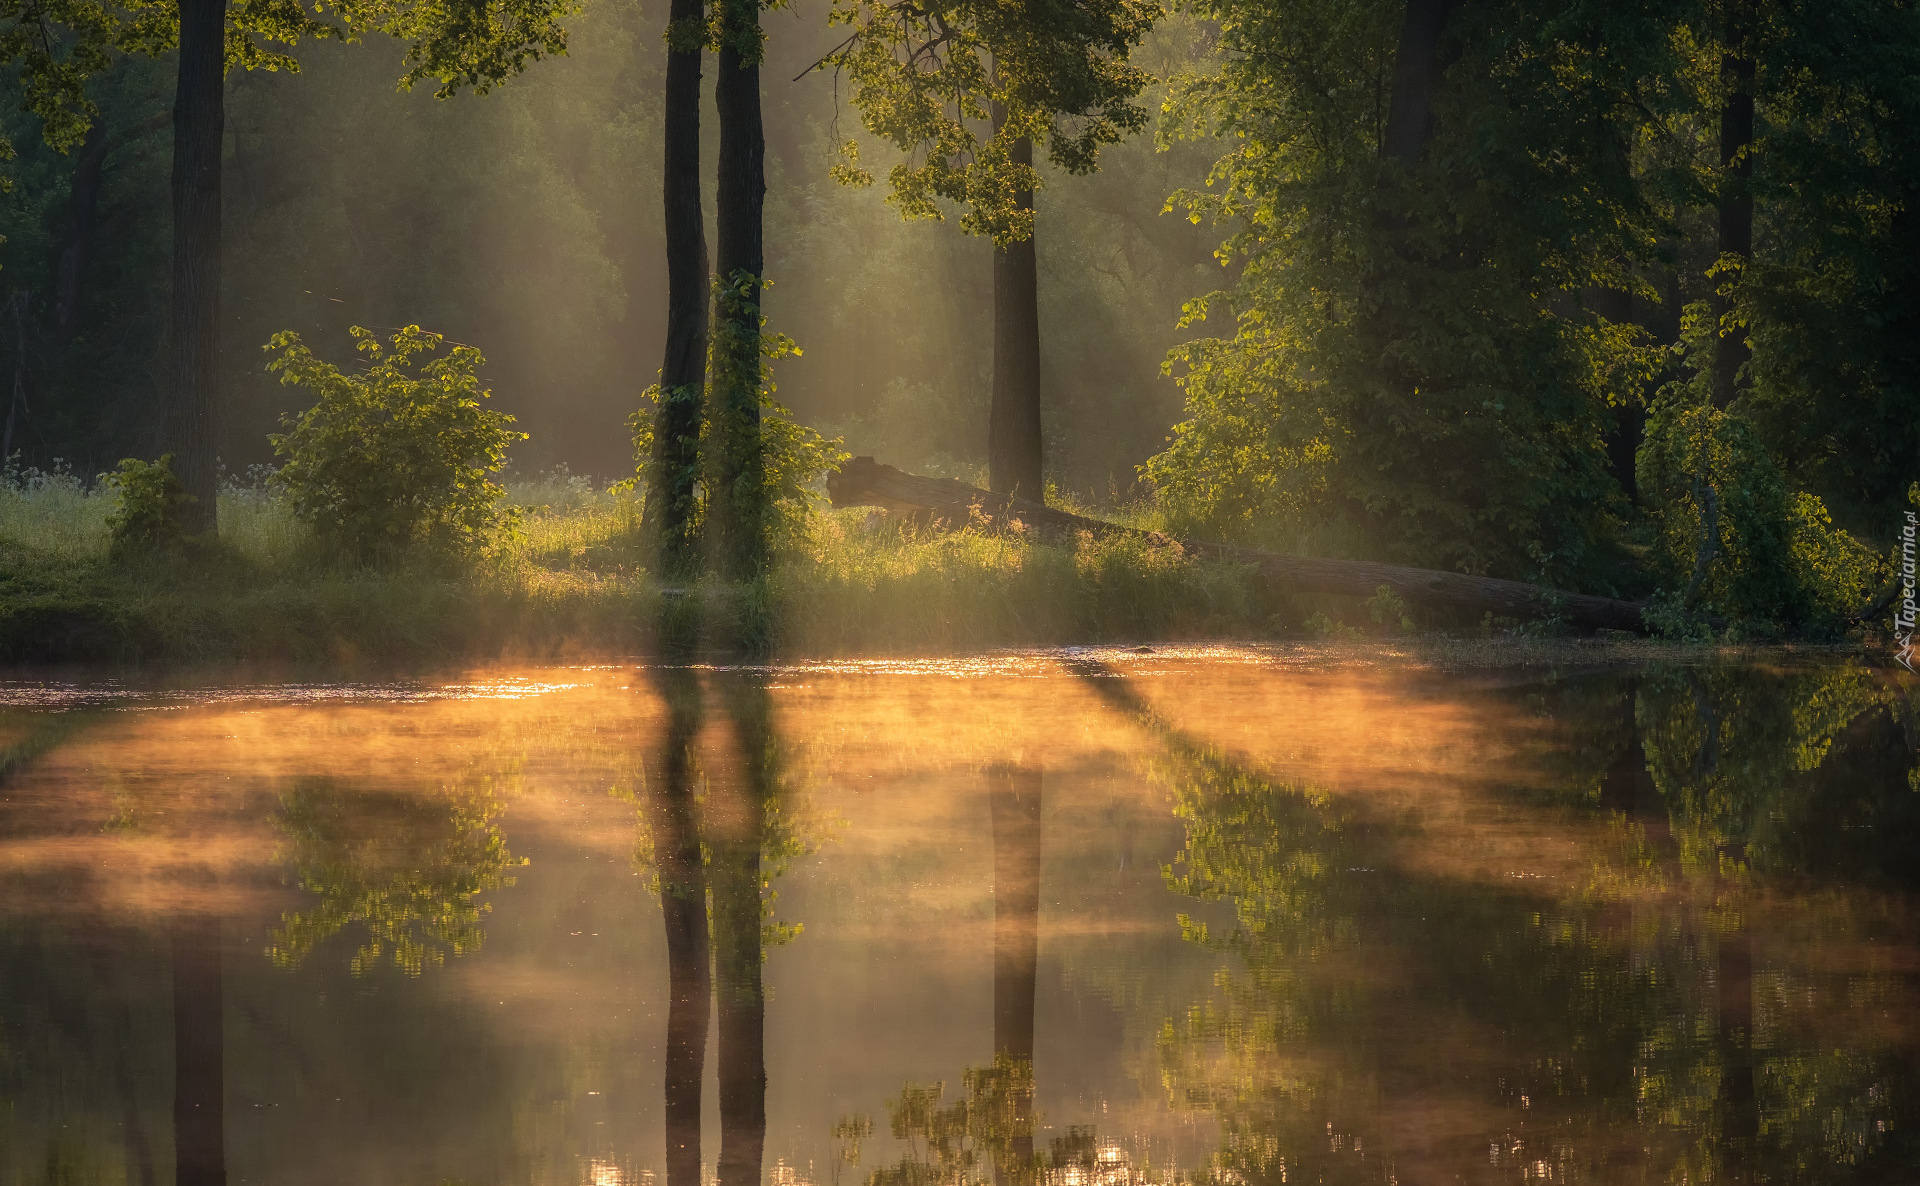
573	584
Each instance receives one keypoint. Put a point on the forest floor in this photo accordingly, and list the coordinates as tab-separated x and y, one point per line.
573	585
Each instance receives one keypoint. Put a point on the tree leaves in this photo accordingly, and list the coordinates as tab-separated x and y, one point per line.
955	84
399	456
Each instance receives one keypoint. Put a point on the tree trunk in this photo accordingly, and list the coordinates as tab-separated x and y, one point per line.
1736	207
864	482
199	1053
735	837
83	214
1416	66
198	132
674	822
737	501
676	445
1015	450
1014	796
16	305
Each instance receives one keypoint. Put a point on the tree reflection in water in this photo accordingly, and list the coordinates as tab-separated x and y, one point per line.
738	815
1706	984
199	1052
1014	798
407	866
672	820
986	1134
83	1039
715	856
1382	1013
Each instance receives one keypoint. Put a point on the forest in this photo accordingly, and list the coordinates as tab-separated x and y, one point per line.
959	592
1616	300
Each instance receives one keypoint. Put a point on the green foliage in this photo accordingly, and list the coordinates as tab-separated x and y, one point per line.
1732	539
57	46
54	510
1330	925
1321	624
53	70
1832	297
1668	617
969	1142
85	267
576	580
150	508
396	457
87	239
739	516
526	221
460	44
1407	371
410	869
1389	610
906	589
792	457
927	76
1725	747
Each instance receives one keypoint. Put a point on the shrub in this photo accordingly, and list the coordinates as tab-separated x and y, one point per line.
1732	538
398	457
150	505
796	456
1389	610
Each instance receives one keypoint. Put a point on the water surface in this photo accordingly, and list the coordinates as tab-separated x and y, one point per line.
1065	919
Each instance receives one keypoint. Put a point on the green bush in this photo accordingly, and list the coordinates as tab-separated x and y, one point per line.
397	458
149	511
796	456
1732	538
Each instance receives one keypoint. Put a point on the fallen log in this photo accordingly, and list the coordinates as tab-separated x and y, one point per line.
865	482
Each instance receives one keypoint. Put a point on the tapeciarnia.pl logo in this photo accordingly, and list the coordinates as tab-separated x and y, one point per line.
1903	616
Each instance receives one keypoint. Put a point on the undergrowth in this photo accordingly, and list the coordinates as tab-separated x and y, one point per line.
574	579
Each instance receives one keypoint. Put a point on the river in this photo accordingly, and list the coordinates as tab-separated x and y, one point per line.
1225	916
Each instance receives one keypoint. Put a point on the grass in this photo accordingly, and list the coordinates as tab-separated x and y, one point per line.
573	582
861	582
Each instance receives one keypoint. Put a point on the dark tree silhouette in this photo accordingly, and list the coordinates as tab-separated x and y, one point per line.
676	442
199	1053
674	822
736	832
1014	795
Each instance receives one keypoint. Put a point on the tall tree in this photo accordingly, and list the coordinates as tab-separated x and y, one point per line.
1405	338
1016	447
199	134
676	442
738	496
931	78
1827	306
1734	200
458	46
1416	67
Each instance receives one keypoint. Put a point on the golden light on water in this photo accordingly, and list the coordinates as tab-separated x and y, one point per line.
607	1173
438	898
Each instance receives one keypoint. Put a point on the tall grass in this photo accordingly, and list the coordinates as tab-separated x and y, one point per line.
54	511
573	579
870	582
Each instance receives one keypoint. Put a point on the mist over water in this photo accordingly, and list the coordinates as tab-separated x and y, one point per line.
1203	915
